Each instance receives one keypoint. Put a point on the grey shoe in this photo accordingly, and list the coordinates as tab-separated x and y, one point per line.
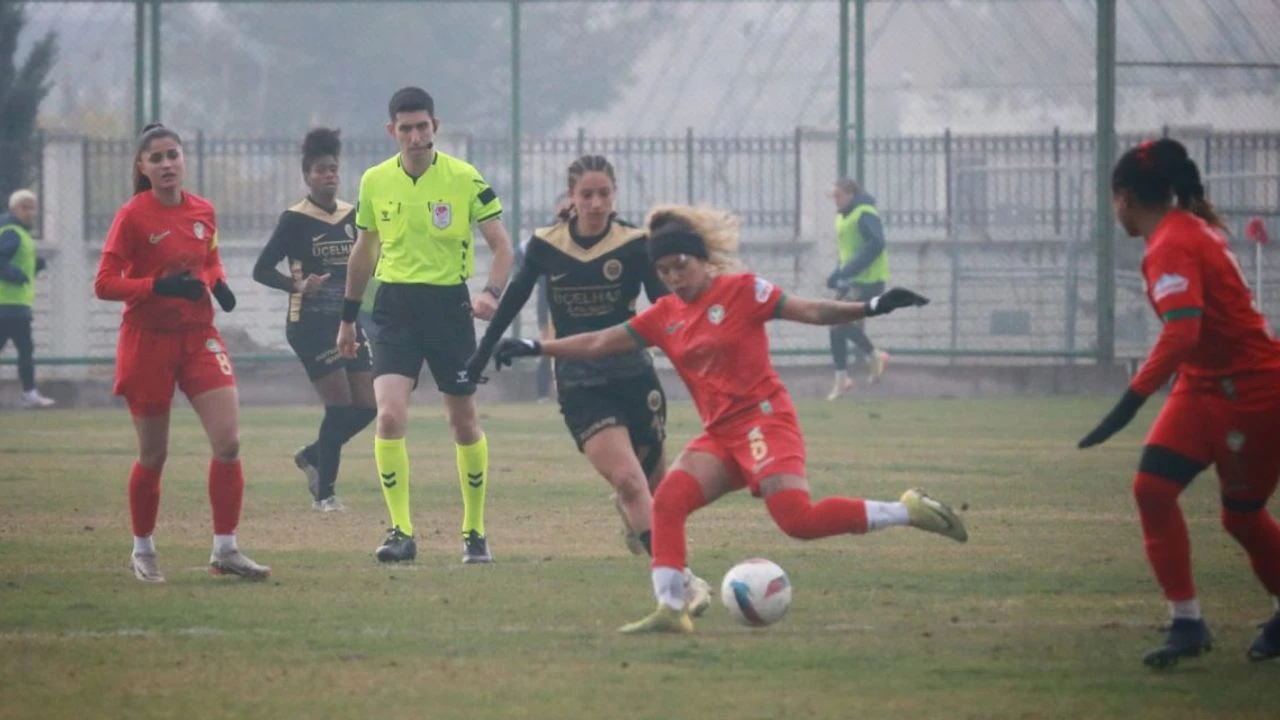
234	562
145	568
475	549
311	471
328	505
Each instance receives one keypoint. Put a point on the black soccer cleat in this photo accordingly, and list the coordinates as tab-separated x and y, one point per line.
1267	645
1186	638
475	549
398	547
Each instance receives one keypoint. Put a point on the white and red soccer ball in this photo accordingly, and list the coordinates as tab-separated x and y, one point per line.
756	592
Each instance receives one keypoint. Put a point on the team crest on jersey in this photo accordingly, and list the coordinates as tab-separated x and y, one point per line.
764	288
213	345
612	269
198	229
654	400
1169	284
441	214
351	231
1235	441
715	314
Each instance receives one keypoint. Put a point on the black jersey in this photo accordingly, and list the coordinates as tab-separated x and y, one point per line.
592	284
316	242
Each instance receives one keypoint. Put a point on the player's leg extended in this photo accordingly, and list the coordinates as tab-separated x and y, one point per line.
698	478
1175	452
219	413
1248	465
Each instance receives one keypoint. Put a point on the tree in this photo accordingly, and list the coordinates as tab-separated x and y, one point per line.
22	88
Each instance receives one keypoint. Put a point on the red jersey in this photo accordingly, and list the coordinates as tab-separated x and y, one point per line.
719	346
1191	274
149	240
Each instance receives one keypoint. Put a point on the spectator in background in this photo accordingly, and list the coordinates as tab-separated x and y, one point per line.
861	274
18	267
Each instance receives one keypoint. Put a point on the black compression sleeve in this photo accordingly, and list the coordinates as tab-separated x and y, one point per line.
516	295
276	249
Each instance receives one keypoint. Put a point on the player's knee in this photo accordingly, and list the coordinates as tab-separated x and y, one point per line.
678	495
226	449
391	421
1153	492
631	486
1242	518
466	430
153	459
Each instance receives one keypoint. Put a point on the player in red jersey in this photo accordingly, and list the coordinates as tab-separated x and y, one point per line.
161	259
1224	409
712	329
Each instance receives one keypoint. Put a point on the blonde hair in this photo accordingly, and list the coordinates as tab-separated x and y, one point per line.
717	228
20	196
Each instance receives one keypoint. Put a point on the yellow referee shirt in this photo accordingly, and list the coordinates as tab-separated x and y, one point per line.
425	225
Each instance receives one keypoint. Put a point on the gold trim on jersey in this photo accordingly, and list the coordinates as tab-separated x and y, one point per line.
311	210
559	237
295	299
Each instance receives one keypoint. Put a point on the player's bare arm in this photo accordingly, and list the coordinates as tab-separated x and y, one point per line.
359	269
495	236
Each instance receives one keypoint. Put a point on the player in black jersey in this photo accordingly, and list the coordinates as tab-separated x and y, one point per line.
316	236
595	266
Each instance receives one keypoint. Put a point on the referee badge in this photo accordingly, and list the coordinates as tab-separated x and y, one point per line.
441	214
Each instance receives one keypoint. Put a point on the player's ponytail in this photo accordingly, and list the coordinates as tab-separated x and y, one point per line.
1189	191
1161	172
150	133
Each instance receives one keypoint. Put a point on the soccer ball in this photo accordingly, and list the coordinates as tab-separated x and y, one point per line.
756	592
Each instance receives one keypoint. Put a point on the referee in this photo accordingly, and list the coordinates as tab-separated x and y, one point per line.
418	209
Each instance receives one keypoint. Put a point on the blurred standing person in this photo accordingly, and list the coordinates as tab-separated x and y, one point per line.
18	267
862	273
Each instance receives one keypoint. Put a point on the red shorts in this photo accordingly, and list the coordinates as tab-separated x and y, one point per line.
149	363
762	447
1242	443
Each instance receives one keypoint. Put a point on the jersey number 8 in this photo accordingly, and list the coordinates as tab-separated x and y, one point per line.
224	362
759	448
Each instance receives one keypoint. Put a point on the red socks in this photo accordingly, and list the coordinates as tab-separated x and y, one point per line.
1164	533
144	499
678	496
1259	535
797	516
226	492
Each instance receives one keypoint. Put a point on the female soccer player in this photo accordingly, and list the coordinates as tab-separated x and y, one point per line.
316	235
1224	409
595	266
712	329
161	260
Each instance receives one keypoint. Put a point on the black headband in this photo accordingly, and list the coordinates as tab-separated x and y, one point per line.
676	242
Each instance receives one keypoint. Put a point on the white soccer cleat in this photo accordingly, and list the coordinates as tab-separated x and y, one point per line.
328	505
234	562
842	385
877	363
33	400
144	567
697	594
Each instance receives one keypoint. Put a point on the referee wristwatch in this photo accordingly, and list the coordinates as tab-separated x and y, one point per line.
493	290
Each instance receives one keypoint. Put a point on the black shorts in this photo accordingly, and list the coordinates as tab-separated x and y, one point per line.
313	341
430	323
637	403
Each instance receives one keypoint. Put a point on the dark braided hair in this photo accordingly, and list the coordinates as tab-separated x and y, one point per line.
1158	172
580	167
320	142
150	133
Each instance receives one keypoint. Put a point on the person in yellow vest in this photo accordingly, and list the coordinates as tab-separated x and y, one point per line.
18	267
861	274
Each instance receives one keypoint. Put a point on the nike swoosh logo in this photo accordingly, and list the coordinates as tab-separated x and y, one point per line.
388	479
157	237
475	480
558	278
318	238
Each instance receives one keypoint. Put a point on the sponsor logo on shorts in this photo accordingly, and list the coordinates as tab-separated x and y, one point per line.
1169	284
213	346
1235	441
654	401
612	269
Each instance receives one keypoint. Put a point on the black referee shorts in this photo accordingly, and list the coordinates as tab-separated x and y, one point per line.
425	323
636	403
313	341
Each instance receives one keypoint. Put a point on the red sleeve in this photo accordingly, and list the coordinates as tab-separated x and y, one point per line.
1174	285
766	298
647	327
110	282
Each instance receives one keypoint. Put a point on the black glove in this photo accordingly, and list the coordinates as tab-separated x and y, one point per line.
477	361
509	349
226	298
833	280
41	264
894	299
1115	420
181	285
